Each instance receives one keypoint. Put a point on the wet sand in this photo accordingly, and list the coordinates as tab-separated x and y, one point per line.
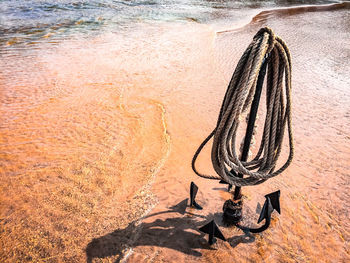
96	134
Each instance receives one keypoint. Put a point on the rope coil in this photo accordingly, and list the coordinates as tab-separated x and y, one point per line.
237	100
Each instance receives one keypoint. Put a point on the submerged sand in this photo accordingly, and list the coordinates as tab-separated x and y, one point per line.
97	138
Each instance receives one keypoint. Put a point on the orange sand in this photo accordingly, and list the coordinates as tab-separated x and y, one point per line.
96	134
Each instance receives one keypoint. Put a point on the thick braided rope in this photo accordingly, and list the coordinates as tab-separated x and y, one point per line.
237	100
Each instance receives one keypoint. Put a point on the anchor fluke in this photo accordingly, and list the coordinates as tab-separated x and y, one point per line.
213	231
272	202
275	200
193	193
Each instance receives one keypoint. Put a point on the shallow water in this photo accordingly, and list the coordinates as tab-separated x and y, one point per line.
99	122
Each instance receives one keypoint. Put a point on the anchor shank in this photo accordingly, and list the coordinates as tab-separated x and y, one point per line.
251	123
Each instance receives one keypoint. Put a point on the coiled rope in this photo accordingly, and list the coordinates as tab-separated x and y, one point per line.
237	100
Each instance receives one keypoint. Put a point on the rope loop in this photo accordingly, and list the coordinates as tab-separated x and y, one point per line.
238	98
271	34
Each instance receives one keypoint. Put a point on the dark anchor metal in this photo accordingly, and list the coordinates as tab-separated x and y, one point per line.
272	202
232	212
193	193
213	230
233	208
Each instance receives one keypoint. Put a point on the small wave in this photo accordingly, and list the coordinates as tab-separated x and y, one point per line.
143	3
263	16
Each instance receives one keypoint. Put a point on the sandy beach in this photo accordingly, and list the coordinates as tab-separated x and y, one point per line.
97	136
